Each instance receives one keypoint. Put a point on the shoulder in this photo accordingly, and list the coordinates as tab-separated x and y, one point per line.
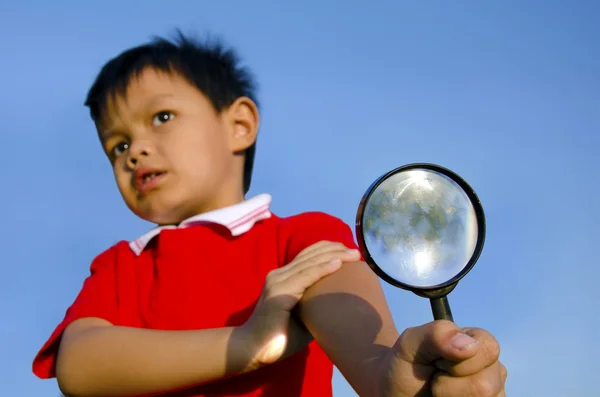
311	219
312	223
119	252
119	248
299	231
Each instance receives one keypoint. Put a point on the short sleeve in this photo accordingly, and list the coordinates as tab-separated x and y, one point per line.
309	228
97	298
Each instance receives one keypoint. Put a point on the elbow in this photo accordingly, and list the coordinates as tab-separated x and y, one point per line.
70	377
69	388
73	362
69	385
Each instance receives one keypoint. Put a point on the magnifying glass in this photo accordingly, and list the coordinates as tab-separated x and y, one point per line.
421	228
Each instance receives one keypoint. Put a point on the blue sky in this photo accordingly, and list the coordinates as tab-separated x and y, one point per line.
505	93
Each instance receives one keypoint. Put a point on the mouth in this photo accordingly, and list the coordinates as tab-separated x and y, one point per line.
148	180
150	176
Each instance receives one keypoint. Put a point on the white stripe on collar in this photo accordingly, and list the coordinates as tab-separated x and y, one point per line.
238	218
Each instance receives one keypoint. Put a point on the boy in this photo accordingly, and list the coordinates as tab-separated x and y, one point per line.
223	298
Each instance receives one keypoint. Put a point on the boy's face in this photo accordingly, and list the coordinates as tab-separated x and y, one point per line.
173	155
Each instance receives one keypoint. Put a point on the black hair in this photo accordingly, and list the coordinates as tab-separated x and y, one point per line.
209	66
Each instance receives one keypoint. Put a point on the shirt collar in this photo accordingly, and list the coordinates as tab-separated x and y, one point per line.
238	218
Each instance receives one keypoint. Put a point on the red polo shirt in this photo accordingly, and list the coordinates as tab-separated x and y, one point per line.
207	273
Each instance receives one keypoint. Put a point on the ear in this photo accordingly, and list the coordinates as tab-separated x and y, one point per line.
243	119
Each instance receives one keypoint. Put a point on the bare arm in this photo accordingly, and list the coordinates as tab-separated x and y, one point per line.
99	359
348	316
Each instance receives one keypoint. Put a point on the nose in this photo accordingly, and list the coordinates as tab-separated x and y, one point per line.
137	151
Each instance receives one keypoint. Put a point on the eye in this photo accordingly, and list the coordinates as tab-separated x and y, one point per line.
161	118
119	149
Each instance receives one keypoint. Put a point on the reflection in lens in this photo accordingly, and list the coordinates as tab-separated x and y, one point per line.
420	227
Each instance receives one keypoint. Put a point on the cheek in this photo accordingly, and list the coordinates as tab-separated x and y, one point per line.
123	181
199	154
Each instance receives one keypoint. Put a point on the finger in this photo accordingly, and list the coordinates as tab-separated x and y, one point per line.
487	354
343	255
312	252
327	248
321	246
486	383
430	342
295	285
280	297
305	277
328	261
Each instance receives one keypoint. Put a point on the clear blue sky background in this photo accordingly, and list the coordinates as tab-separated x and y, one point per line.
506	93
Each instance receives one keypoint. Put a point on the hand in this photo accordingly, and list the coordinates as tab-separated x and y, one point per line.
441	360
269	330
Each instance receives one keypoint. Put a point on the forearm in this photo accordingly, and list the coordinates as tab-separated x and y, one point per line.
347	314
120	361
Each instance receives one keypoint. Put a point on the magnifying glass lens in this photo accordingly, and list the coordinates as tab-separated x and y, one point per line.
420	228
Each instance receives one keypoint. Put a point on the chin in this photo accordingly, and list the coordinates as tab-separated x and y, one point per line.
158	216
171	209
156	211
163	219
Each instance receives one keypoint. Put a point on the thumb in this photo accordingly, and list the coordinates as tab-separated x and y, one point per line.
272	350
433	341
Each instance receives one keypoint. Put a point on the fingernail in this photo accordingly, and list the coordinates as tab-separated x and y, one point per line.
352	252
462	341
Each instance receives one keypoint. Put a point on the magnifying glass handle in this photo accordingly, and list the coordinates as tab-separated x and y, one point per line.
441	309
